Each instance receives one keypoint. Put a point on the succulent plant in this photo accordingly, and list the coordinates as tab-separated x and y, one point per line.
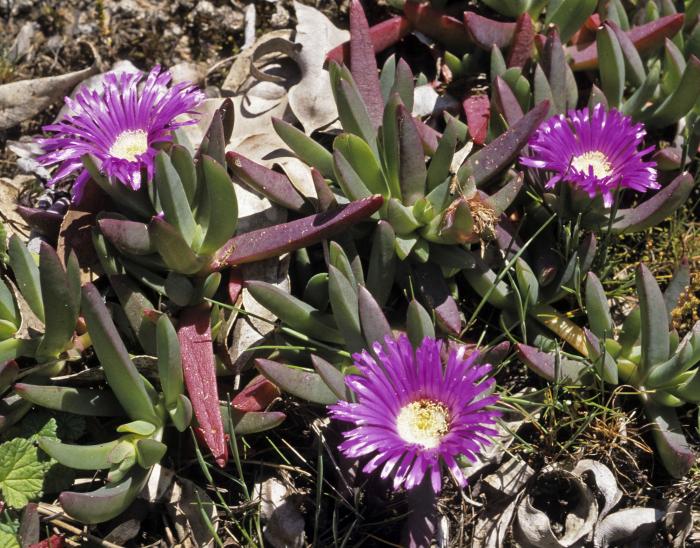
643	352
431	210
338	315
130	458
175	236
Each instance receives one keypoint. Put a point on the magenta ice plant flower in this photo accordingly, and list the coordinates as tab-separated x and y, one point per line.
413	414
120	126
596	151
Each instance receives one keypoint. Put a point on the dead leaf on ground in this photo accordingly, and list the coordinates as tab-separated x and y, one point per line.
311	100
22	100
284	524
557	511
10	190
186	504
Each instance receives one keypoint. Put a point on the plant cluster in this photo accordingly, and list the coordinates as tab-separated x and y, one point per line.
429	250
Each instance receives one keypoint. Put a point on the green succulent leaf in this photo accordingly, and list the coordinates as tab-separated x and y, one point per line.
339	259
184	165
375	326
173	198
611	65
81	401
570	16
412	170
344	302
603	362
655	338
149	452
169	361
673	448
305	147
294	312
349	181
250	422
26	273
173	248
332	376
298	382
61	300
679	103
439	168
181	413
351	108
123	378
597	308
107	502
223	206
9	311
79	457
419	324
382	262
363	162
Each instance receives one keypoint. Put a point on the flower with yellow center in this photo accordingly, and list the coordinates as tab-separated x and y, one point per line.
415	414
596	150
121	126
423	422
592	159
129	145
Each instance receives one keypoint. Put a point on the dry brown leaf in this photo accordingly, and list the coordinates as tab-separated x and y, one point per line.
10	190
184	502
25	99
284	524
311	100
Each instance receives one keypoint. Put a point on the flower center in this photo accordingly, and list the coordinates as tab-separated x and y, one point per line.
423	422
592	159
129	144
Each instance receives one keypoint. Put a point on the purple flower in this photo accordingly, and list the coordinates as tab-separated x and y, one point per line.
118	125
597	152
412	414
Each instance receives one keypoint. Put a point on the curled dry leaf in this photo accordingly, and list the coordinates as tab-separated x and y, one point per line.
601	479
284	524
311	100
558	511
627	525
186	505
22	100
10	190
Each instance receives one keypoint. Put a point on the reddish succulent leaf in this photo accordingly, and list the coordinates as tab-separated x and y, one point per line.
127	236
54	541
478	110
644	37
382	35
523	40
278	239
655	209
502	151
43	221
428	136
363	64
275	186
325	197
447	30
432	290
198	367
554	65
487	33
506	102
587	32
257	395
235	285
